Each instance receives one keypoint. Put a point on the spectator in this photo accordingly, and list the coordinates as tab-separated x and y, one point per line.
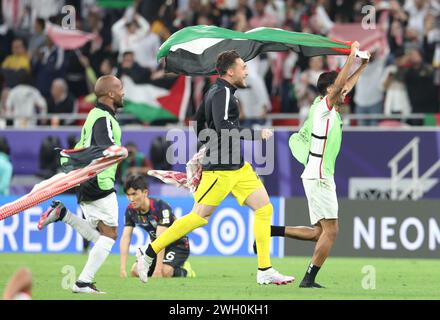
262	18
49	65
61	101
369	95
46	8
130	68
393	82
254	100
23	103
13	12
76	74
306	89
16	64
38	38
5	167
419	80
146	50
417	10
127	33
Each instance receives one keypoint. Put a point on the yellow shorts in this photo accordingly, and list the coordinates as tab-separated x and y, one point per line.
216	185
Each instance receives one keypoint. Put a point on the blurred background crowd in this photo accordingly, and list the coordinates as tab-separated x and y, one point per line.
42	75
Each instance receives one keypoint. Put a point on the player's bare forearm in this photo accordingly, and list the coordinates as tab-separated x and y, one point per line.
342	77
345	71
353	79
124	248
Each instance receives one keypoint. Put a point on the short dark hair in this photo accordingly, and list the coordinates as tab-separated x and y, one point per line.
41	22
325	80
225	60
23	41
126	53
136	181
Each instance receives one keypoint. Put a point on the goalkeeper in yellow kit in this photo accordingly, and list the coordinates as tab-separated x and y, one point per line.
224	171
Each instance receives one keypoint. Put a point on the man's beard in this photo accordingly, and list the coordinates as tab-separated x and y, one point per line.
119	104
241	85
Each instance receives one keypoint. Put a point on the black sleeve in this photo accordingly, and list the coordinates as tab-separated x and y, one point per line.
221	102
129	222
102	132
165	214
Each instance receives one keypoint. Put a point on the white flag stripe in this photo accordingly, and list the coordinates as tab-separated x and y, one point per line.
109	130
198	46
143	93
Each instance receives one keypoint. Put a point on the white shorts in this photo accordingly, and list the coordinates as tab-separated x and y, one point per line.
322	200
105	210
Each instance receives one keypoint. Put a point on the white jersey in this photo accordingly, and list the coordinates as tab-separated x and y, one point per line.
326	141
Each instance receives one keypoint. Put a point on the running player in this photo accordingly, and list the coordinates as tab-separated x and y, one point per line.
224	171
96	197
154	216
325	126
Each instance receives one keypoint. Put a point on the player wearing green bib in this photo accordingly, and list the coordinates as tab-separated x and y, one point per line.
325	136
96	197
317	146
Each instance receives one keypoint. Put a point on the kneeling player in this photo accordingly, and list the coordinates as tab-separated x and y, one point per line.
154	216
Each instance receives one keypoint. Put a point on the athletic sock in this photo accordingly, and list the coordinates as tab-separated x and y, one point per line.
277	231
177	230
264	269
97	256
311	273
150	252
179	272
84	228
262	235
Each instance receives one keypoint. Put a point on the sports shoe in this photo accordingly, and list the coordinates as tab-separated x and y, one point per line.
189	270
85	287
306	284
143	265
272	276
56	212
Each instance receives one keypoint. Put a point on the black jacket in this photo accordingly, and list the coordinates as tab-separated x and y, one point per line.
219	113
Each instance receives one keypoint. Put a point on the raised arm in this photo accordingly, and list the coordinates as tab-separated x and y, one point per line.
352	80
343	75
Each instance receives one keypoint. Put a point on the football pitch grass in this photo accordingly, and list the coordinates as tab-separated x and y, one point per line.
234	278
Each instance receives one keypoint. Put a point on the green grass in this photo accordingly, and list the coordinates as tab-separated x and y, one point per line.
234	278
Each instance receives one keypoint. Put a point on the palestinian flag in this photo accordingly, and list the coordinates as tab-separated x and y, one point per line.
193	50
114	4
166	100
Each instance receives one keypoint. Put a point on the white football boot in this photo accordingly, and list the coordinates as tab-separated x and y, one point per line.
271	276
143	265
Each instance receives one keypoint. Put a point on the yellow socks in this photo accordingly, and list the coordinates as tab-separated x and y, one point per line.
178	229
262	235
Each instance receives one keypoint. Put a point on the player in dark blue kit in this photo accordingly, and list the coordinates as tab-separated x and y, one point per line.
154	216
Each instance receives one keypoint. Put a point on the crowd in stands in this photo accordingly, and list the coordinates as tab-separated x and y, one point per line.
39	77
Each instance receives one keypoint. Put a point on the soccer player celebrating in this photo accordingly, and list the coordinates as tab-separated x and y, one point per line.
224	171
96	197
154	216
325	126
